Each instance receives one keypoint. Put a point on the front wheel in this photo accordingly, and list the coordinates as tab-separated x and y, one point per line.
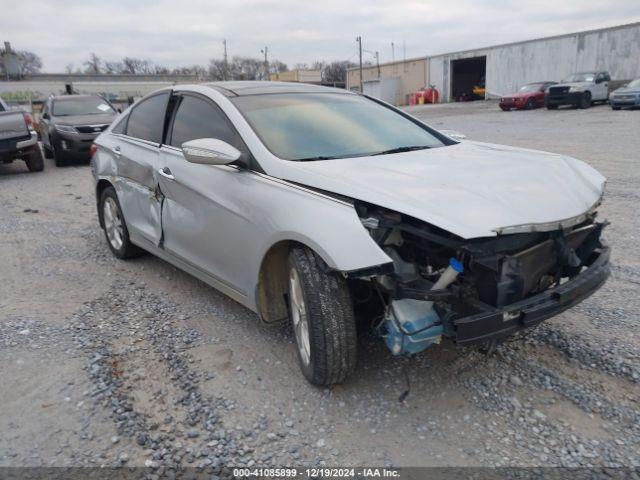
585	100
115	228
323	321
552	107
531	104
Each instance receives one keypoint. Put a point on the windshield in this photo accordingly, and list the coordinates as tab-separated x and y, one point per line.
532	87
634	83
81	106
581	77
319	126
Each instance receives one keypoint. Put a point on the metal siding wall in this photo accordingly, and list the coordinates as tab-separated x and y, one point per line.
508	67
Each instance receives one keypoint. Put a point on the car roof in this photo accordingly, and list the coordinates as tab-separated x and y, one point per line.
253	87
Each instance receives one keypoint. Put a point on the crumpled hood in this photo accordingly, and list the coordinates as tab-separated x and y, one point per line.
470	189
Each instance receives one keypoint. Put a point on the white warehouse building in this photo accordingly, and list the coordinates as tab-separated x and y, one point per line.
501	69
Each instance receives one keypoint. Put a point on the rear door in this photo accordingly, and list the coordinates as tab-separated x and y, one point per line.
205	216
136	153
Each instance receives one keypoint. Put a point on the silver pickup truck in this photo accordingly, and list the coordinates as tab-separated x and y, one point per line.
18	139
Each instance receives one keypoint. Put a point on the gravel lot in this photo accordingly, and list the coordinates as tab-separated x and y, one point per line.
105	362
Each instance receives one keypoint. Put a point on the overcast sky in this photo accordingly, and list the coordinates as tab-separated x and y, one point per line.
186	32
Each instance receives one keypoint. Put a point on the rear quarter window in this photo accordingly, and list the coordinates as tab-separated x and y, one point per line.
146	120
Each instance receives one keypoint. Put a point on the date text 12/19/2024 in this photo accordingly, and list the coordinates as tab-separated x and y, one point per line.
319	472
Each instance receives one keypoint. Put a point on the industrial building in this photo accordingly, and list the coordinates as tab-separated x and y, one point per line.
502	69
298	75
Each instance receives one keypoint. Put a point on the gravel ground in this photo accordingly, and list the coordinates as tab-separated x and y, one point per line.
105	362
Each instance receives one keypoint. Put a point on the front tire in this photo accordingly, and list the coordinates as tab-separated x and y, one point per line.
48	153
585	100
552	107
115	228
531	104
323	321
58	158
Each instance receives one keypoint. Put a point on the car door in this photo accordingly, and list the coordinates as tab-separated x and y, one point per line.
205	213
601	90
136	153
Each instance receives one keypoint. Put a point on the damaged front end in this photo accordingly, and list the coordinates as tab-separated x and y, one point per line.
480	290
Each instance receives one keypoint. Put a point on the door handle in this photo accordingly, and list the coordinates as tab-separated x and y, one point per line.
116	151
166	173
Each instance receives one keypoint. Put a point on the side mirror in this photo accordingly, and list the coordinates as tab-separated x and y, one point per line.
45	116
210	151
119	110
453	134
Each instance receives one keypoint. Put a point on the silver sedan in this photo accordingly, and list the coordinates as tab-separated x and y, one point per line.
326	208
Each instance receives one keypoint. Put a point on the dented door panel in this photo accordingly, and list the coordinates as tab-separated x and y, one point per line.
135	170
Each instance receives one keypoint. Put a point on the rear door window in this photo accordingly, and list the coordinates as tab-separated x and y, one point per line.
198	118
146	120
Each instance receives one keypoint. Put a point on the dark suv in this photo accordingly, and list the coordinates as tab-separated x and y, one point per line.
70	123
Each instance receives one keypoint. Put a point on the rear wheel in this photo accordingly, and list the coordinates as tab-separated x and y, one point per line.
35	162
505	109
47	151
115	228
615	108
552	107
322	318
585	100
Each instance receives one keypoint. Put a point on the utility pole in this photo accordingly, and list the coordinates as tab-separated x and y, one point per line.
359	40
378	62
226	64
266	63
393	52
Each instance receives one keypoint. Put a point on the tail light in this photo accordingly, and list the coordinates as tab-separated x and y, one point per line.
92	150
28	120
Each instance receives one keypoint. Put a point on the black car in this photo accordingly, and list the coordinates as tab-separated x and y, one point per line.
70	124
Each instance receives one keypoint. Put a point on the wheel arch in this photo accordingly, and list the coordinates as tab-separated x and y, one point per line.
101	186
273	277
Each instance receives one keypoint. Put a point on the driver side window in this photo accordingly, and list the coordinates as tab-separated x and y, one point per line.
197	118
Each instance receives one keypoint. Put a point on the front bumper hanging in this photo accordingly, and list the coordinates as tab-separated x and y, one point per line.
496	323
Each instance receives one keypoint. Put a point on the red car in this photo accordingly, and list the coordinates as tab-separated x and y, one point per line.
529	96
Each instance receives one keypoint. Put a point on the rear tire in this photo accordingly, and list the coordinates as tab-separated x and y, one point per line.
585	100
35	162
505	109
323	320
552	107
615	108
115	227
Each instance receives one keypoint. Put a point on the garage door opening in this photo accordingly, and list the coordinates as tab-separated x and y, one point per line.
468	79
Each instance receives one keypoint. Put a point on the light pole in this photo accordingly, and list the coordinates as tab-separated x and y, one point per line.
266	63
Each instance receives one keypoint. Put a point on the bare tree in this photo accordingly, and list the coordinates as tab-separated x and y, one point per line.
93	65
113	67
336	72
136	66
217	70
276	66
29	62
